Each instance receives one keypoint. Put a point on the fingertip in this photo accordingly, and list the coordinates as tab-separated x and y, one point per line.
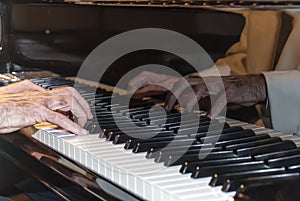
169	103
85	132
168	107
211	115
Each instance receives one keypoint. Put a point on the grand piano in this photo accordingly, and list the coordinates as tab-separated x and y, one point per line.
48	41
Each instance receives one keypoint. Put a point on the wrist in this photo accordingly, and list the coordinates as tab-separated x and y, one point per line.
259	87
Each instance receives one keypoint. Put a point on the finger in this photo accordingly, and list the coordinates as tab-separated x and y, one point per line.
150	87
9	130
22	86
178	88
141	80
136	83
30	86
149	90
63	122
66	103
188	101
146	78
77	97
218	106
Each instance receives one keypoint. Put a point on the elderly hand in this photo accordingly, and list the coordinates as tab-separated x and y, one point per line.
148	83
245	90
24	103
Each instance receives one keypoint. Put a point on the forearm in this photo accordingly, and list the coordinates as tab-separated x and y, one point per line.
245	89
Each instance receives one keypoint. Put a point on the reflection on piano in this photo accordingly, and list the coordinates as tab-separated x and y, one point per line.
246	163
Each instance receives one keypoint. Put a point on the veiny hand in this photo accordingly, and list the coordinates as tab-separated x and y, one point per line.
35	105
148	83
245	90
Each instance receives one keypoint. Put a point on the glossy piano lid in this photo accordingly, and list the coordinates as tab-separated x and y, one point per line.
212	4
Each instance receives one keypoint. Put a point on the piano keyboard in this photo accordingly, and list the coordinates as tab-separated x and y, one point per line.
244	155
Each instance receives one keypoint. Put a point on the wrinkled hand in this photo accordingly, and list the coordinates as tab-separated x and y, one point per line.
148	83
23	104
245	90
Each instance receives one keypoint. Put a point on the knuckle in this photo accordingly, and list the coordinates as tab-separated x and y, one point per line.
27	82
66	88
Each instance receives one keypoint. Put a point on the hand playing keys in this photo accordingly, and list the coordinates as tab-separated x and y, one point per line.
245	90
25	103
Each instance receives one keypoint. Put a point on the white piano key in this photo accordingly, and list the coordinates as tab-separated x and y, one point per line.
141	176
95	165
128	174
203	194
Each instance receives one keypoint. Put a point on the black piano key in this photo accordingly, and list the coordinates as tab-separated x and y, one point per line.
228	136
172	159
143	116
122	137
283	190
283	161
253	144
193	164
141	146
293	167
147	132
154	151
189	130
220	179
202	163
202	127
233	185
134	111
179	157
175	116
215	133
242	140
284	145
145	146
207	171
133	142
93	127
188	167
277	154
145	103
130	131
280	159
158	117
212	137
125	125
108	119
187	123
